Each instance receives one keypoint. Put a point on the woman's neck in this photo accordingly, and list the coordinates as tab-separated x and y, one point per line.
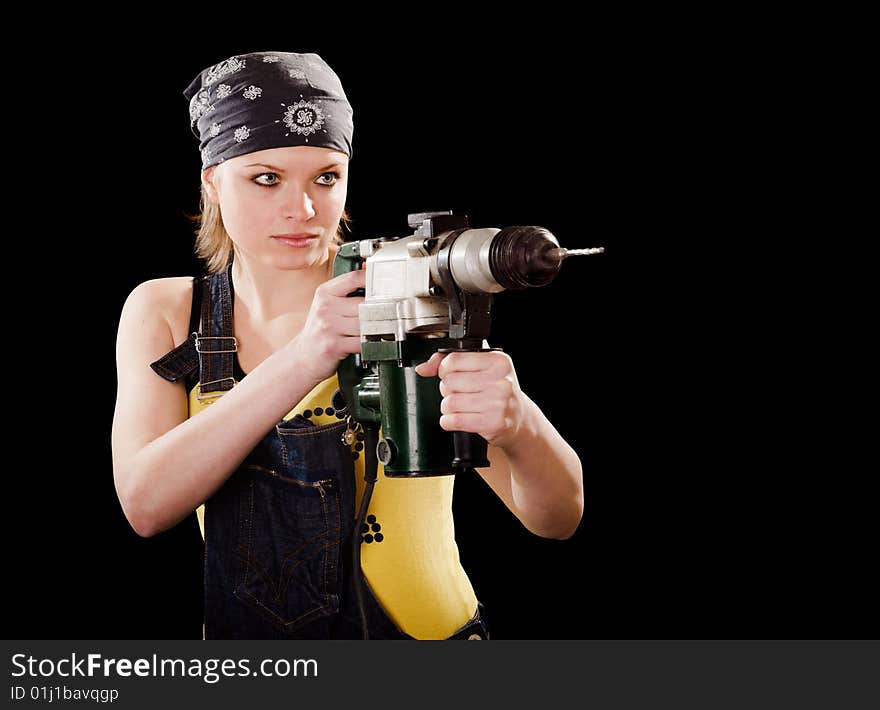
267	295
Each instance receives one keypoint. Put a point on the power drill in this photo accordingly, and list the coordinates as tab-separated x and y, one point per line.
425	293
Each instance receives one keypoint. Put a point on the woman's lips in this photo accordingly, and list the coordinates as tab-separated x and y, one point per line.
296	240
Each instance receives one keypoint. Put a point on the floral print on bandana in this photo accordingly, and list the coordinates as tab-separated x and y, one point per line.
303	118
200	105
224	68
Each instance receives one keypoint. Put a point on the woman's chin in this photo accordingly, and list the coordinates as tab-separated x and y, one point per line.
314	256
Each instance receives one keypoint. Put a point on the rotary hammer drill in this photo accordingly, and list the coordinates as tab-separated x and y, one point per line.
430	292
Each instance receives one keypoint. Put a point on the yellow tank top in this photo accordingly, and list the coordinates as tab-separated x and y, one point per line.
412	564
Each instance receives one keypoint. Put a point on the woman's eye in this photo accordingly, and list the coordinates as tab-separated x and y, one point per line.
269	184
333	175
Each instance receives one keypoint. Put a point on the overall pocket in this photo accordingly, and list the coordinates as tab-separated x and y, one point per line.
292	522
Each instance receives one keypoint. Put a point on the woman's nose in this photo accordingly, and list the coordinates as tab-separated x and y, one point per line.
298	206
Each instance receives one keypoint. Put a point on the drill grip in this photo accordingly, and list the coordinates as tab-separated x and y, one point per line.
470	450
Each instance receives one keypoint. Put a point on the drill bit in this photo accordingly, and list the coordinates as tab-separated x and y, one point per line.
582	252
563	253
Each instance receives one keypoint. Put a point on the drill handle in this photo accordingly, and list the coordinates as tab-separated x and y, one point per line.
471	450
349	372
348	258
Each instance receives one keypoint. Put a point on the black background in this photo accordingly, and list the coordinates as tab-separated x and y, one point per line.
708	514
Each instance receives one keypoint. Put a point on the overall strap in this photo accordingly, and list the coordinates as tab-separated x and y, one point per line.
216	345
183	361
210	352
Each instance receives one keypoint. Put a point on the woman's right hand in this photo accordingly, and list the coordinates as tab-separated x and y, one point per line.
332	330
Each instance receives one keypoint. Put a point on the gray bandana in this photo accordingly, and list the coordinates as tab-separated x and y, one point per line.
262	100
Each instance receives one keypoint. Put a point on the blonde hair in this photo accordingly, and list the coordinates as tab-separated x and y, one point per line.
213	244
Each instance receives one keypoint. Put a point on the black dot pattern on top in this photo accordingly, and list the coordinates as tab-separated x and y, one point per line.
321	411
374	536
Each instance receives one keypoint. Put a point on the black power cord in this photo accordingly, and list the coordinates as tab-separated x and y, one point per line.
371	469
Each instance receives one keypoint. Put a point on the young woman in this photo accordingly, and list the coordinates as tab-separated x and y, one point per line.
225	384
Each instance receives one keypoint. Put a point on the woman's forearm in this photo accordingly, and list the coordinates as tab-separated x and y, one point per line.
176	472
546	477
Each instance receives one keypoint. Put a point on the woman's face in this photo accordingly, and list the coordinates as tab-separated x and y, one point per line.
281	191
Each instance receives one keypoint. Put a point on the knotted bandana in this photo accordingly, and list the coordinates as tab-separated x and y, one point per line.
262	100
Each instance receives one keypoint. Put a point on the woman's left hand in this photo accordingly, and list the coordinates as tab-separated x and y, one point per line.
480	392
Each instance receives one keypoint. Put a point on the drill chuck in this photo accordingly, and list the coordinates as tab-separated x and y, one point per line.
520	257
485	261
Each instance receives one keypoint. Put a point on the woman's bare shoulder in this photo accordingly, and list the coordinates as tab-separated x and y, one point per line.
170	297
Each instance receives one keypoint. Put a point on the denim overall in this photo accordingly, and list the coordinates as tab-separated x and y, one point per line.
278	533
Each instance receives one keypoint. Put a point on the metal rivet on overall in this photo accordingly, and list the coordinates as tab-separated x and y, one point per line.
475	637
